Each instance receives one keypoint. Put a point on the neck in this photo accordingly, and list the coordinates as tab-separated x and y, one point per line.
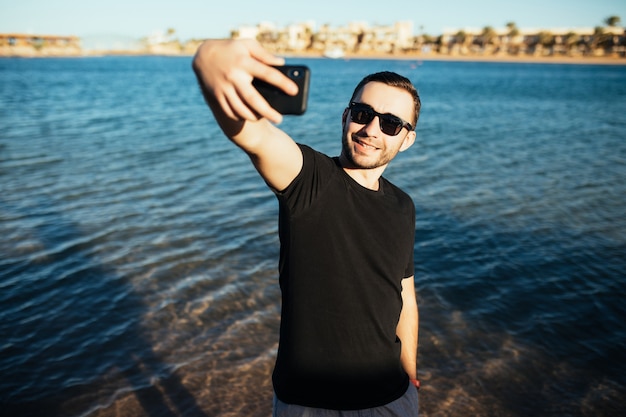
366	177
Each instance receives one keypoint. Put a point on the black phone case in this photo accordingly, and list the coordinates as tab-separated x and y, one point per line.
283	103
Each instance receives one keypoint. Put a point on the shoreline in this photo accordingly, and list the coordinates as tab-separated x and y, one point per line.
600	60
580	60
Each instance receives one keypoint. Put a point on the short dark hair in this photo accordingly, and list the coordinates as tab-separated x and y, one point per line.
394	80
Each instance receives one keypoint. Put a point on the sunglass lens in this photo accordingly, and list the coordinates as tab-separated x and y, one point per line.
362	114
390	125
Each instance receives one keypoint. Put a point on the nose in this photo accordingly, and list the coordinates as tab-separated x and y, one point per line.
373	124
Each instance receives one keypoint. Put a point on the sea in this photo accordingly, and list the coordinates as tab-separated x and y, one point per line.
139	248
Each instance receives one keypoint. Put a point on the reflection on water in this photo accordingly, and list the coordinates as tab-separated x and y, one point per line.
139	251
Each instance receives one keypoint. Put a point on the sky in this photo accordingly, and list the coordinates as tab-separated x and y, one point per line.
201	19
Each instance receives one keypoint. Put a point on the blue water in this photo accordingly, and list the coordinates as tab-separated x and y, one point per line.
139	250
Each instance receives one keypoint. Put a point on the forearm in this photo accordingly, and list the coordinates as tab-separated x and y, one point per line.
408	328
408	334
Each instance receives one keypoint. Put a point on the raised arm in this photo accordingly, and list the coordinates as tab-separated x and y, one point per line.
225	70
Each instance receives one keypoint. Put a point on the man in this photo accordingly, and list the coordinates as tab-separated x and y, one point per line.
349	318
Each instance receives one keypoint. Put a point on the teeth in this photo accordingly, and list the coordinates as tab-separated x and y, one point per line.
366	145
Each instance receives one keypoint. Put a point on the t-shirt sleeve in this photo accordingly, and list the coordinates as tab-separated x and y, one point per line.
314	175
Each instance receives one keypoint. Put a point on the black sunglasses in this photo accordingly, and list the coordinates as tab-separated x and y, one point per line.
391	125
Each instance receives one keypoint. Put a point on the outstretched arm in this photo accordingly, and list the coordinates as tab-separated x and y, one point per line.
225	70
407	329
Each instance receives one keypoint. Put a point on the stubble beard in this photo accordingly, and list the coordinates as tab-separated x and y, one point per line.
347	152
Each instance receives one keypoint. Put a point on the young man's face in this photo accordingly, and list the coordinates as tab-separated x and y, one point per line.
366	146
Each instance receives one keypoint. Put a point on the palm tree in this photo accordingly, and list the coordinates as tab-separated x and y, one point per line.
545	39
612	21
460	37
513	30
539	41
308	34
512	34
592	43
170	37
601	40
570	40
460	41
487	36
612	40
359	41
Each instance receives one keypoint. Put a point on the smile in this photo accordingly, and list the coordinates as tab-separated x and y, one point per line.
364	144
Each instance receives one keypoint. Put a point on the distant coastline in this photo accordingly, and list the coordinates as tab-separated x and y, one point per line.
606	46
601	44
417	57
434	56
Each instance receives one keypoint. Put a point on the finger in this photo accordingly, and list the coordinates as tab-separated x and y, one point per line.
261	54
275	77
227	109
257	103
248	104
240	107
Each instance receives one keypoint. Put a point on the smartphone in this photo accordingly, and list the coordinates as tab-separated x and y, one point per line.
284	103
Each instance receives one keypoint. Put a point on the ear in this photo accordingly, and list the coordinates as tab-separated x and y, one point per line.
408	141
344	117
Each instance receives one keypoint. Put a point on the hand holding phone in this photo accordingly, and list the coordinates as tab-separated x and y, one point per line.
284	103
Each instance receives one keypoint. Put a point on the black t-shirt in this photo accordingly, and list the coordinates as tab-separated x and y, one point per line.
344	252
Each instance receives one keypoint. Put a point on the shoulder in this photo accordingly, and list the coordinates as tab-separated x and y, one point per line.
314	160
317	171
310	153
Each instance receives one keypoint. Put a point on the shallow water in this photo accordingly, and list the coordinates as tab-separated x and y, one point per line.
138	264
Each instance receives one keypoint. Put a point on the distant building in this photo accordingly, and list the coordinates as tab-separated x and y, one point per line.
360	38
355	37
535	42
18	44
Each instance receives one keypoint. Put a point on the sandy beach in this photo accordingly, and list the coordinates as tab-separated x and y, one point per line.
522	59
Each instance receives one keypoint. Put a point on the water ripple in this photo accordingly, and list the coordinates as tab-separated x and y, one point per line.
139	251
